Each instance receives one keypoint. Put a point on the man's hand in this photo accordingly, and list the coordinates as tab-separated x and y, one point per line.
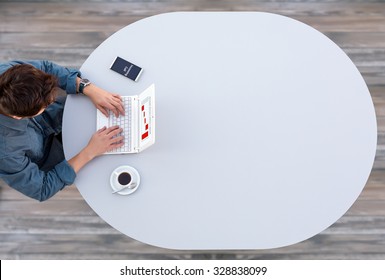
104	100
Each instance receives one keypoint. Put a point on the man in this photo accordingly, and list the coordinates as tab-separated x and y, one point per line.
31	153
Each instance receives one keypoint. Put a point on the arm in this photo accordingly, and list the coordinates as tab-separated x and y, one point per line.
69	79
20	173
66	76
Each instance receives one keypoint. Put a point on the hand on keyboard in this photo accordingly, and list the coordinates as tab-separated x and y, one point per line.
104	140
105	101
123	122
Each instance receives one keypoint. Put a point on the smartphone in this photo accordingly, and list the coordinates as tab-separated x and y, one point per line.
126	68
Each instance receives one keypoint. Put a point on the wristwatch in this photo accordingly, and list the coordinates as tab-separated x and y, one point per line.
83	83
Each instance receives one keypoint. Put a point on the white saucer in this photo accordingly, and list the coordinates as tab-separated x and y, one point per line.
135	178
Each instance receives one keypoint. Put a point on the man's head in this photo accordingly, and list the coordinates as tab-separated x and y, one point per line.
26	91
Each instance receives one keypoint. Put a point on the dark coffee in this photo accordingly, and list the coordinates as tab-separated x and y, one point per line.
124	178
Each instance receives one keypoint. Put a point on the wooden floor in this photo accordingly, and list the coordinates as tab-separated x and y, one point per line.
67	31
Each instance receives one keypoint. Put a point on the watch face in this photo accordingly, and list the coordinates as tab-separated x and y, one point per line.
83	83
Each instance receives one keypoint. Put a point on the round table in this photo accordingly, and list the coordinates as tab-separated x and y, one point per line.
265	131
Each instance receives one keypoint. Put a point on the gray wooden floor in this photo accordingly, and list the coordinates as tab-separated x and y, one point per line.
67	31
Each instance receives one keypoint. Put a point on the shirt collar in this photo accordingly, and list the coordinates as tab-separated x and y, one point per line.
13	124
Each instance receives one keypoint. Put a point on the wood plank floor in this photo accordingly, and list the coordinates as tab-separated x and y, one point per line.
67	31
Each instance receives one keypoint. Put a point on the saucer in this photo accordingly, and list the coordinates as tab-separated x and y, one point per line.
135	178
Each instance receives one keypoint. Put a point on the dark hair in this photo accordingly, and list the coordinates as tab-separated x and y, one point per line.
25	90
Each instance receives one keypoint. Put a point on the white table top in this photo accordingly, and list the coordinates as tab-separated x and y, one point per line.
266	131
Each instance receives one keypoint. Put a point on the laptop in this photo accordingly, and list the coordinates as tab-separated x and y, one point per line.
138	123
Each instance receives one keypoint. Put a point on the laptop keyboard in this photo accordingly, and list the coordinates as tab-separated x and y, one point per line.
123	122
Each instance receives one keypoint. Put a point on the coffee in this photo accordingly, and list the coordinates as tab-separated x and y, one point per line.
124	178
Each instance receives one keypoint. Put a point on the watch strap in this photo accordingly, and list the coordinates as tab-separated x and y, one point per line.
83	83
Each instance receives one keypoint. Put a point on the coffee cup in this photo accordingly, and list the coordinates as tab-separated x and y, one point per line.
124	178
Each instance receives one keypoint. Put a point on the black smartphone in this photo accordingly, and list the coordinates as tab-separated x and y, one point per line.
126	68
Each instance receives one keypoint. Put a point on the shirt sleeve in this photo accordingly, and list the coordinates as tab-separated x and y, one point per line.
66	76
25	177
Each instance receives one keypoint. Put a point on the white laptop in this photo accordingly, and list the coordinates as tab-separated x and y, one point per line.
138	123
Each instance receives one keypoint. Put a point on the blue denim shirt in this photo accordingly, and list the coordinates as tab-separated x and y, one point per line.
22	142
